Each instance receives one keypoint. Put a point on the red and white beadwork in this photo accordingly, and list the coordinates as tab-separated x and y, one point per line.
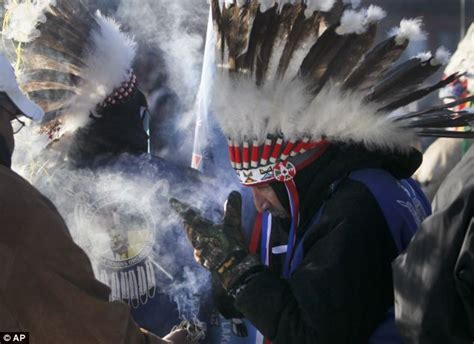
284	171
255	164
123	92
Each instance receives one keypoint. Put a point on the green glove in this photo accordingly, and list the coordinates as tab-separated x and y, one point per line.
219	247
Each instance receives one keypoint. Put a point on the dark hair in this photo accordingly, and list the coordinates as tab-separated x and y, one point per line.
113	130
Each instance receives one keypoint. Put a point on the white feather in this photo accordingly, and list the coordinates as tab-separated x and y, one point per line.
344	117
352	22
277	52
265	5
442	56
228	3
107	66
24	17
424	56
409	29
299	55
318	5
375	14
358	21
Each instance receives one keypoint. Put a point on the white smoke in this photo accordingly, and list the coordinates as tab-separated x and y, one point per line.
177	28
100	205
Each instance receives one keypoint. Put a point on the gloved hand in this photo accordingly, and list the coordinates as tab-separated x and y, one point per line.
219	247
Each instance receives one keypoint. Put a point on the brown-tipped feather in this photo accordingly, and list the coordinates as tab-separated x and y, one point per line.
33	86
350	55
316	63
446	133
50	106
34	61
235	26
248	62
418	94
267	43
447	120
402	80
436	109
48	50
375	64
303	31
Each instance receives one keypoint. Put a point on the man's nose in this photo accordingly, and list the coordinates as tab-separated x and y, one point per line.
261	204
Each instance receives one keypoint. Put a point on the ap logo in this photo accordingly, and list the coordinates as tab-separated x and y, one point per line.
14	337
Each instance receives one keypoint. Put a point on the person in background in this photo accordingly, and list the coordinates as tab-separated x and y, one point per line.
434	278
444	153
48	288
95	117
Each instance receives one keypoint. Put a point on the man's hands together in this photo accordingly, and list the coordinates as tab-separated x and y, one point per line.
219	247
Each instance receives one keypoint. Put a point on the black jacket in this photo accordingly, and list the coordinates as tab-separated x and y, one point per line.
434	279
343	288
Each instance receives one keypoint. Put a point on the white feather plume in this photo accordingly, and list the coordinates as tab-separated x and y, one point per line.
358	21
246	111
424	56
352	22
442	56
318	5
24	17
107	66
344	117
375	14
409	29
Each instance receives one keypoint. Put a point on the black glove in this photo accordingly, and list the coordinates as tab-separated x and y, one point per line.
219	247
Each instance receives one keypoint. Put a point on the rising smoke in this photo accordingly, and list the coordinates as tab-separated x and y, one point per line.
118	203
177	28
119	214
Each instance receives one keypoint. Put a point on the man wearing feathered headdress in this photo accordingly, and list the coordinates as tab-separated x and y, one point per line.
77	65
308	109
48	287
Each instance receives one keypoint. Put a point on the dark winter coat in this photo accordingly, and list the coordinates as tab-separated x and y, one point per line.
47	285
342	290
434	279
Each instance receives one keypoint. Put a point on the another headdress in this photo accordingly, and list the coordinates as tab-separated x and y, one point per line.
293	74
72	62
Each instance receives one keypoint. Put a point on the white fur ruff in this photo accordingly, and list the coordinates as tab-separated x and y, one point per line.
247	112
107	65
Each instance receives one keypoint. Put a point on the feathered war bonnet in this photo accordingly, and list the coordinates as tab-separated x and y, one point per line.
70	61
293	75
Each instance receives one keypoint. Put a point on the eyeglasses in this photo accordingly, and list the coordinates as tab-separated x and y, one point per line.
17	125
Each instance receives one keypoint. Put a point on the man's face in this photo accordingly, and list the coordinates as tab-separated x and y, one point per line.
265	199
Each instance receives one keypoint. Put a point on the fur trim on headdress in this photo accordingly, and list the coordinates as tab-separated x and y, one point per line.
108	64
